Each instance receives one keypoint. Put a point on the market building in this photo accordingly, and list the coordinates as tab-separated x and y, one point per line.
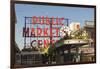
77	50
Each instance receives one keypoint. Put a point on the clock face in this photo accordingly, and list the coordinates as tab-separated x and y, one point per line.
64	30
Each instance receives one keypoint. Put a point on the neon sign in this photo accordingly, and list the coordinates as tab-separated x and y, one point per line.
40	32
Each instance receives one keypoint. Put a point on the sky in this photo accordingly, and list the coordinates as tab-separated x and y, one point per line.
74	14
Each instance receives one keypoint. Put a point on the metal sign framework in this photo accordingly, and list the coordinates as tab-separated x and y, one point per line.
28	21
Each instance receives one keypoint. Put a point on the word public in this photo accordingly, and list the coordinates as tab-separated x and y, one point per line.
47	20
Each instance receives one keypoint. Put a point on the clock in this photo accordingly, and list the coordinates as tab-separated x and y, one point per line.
64	30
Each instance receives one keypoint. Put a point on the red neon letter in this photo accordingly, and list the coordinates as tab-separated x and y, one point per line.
46	43
57	21
32	32
39	31
47	20
34	19
42	19
45	31
52	20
